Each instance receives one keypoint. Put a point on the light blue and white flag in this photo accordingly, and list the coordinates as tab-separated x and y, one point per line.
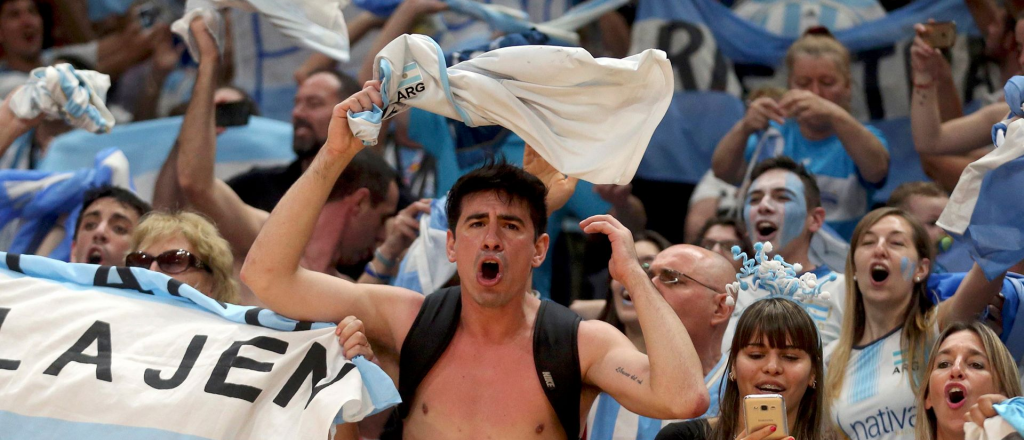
985	209
425	267
32	201
98	352
263	142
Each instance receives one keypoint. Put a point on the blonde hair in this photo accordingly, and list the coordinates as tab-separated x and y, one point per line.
1006	378
917	317
817	45
200	232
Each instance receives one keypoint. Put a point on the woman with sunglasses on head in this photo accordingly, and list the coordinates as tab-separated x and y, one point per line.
877	365
188	248
968	361
776	350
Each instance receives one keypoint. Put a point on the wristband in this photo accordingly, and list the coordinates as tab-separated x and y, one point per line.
369	271
387	262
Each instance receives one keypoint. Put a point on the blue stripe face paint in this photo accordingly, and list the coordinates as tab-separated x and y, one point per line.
907	268
776	199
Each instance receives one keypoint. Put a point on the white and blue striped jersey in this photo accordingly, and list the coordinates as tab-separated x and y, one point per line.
608	420
790	18
826	314
877	401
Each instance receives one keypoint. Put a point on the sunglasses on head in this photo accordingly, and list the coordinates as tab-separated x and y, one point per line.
172	261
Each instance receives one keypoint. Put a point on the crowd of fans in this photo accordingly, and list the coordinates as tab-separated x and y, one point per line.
909	342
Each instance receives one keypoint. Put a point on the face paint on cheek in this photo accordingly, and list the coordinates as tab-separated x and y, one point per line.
795	212
907	268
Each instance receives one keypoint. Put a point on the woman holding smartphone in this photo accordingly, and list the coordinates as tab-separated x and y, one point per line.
877	365
776	350
968	363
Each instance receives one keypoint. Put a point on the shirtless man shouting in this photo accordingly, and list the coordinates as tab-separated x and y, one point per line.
484	381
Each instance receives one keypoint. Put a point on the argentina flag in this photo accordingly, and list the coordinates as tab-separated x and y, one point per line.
985	210
98	352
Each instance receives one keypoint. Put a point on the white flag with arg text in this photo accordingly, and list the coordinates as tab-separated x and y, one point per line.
96	352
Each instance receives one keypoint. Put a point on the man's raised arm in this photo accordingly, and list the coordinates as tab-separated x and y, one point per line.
272	268
668	382
196	156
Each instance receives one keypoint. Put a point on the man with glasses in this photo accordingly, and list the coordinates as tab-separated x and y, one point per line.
692	280
721	234
783	206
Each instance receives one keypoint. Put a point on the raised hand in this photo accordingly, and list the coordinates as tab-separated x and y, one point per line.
806	107
927	62
560	186
624	262
760	112
983	409
403	229
352	339
339	136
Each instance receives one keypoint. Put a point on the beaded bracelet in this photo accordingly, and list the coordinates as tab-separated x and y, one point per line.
387	262
369	271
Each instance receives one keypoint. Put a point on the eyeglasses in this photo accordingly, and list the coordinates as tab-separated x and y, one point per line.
172	262
709	244
671	277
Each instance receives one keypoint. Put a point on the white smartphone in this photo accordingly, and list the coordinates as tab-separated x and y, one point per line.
760	410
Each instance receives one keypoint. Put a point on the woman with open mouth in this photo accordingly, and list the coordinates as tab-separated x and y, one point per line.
776	350
968	361
878	364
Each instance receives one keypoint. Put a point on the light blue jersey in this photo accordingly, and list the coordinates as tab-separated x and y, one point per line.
845	195
610	421
876	401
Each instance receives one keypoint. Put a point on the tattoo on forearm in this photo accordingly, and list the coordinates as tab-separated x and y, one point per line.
632	377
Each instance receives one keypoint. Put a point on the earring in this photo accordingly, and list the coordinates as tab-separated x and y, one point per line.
732	376
917	280
814	383
855	277
729	301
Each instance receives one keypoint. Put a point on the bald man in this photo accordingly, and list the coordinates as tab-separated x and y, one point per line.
692	280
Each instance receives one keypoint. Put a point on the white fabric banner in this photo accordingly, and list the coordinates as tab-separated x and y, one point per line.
151	358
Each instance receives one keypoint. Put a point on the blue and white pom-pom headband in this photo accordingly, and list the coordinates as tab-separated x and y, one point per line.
776	276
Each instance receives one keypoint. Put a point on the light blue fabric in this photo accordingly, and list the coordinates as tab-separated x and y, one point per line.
379	386
146	144
38	198
943	286
681	147
735	36
22	427
995	237
1012	411
833	168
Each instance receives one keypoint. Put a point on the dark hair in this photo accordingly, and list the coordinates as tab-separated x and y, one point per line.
251	104
777	322
904	192
123	196
737	227
811	192
349	85
506	180
366	170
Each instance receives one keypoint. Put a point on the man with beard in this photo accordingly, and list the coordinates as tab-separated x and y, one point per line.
351	224
104	228
472	365
263	187
783	207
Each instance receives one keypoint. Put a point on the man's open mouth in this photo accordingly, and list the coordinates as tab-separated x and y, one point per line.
489	272
766	229
95	256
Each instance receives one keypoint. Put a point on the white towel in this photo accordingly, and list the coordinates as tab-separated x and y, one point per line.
996	428
589	118
316	24
61	92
